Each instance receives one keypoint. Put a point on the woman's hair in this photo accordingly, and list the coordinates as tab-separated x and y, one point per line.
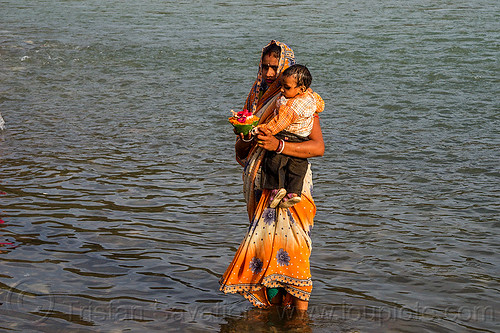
301	73
273	49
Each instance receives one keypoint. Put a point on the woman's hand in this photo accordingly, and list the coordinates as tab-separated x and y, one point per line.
242	137
266	140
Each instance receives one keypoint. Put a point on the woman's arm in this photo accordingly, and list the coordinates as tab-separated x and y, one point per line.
314	147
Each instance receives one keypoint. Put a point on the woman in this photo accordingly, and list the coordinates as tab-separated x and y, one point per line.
271	265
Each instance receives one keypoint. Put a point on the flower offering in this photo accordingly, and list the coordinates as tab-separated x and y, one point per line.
243	121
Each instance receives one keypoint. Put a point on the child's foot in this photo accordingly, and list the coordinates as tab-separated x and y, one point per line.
276	196
289	200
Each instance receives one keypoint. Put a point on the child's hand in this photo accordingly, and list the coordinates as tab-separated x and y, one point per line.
255	131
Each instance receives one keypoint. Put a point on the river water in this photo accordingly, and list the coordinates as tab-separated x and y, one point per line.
121	202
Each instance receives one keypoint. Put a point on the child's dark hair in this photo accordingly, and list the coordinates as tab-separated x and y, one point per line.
301	73
273	49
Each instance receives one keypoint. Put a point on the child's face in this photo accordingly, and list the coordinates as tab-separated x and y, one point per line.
289	87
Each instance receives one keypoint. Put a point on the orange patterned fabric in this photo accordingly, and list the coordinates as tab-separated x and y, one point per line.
274	253
276	249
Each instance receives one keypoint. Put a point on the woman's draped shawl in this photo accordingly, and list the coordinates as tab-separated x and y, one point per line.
287	59
275	251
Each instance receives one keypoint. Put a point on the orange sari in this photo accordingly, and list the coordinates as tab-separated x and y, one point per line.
276	249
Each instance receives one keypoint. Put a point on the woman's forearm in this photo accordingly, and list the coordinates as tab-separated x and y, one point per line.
242	148
304	149
314	147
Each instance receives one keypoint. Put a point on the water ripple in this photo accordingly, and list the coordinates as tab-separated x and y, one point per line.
121	198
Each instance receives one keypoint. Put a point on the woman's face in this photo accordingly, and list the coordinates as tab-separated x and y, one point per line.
270	68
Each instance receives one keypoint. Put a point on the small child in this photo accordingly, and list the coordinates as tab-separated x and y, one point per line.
295	108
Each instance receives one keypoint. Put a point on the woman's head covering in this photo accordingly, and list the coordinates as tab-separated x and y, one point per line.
286	60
